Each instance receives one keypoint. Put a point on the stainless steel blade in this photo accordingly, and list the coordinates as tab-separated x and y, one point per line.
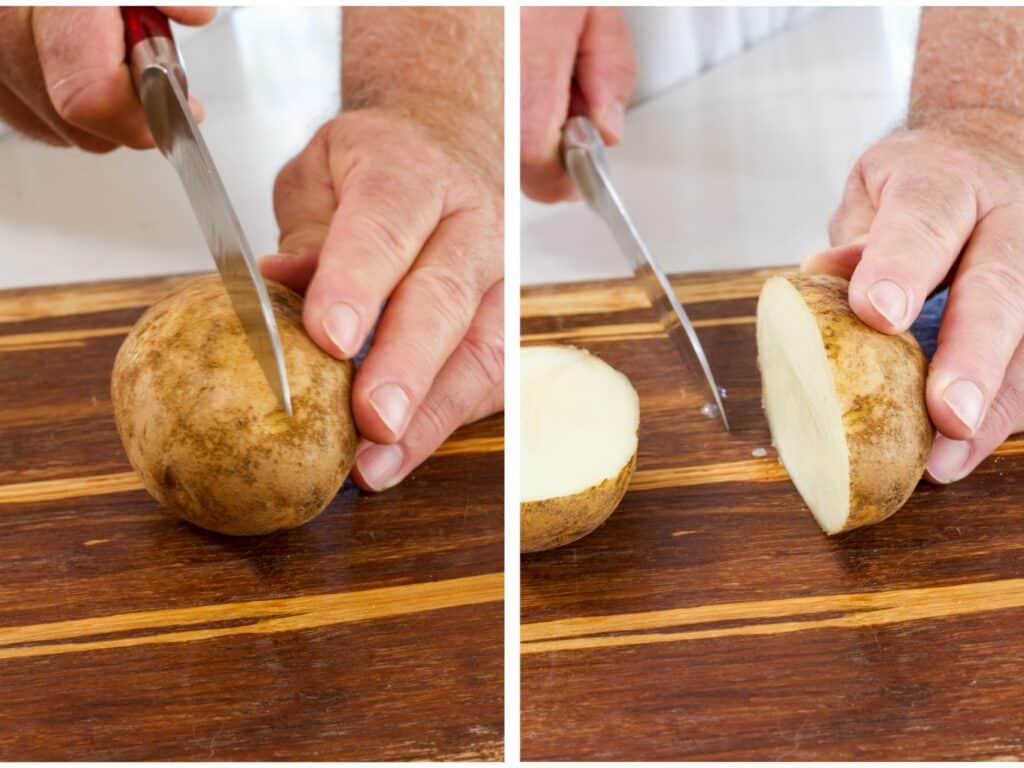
178	137
584	155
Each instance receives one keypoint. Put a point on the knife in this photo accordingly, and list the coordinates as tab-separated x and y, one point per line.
584	156
160	82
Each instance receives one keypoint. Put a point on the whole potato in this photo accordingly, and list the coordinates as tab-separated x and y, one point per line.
202	427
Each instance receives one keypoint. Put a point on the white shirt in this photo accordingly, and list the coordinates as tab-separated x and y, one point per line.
674	44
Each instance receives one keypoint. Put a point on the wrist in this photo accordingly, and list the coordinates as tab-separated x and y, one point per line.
995	133
469	139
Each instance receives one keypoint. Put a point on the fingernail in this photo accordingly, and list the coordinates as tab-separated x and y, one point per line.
966	400
379	465
890	301
341	323
613	120
392	405
946	464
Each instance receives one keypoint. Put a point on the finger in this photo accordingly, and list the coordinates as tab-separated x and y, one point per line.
22	119
426	319
952	460
840	261
382	222
924	219
550	37
292	269
22	76
90	86
852	220
982	325
189	15
473	375
606	70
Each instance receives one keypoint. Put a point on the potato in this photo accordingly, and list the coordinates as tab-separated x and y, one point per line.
845	403
205	432
578	436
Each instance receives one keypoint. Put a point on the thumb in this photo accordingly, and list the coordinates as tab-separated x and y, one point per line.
606	70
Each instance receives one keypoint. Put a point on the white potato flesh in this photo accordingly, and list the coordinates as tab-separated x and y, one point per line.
578	422
802	404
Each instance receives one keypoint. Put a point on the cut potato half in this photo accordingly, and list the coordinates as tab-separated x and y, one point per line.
845	403
579	420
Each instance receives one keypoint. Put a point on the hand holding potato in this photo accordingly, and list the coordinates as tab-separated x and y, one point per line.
375	212
63	79
942	203
927	207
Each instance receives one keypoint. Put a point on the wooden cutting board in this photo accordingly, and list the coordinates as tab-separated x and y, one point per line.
374	632
709	618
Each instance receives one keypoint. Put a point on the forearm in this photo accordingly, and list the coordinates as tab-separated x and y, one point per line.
444	67
969	74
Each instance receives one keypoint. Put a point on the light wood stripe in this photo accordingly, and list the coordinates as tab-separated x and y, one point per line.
471	445
265	616
863	609
37	303
68	487
35	491
766	470
624	296
20	342
625	331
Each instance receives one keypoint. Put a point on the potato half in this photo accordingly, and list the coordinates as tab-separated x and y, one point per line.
578	437
845	403
205	432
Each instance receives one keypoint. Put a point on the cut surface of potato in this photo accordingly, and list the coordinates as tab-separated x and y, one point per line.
845	403
579	420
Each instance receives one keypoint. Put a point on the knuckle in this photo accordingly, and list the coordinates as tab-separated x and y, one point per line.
453	297
386	240
939	208
486	353
1005	414
436	419
1000	282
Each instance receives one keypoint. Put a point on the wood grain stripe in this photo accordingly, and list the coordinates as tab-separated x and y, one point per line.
61	301
863	609
625	331
767	470
263	617
751	470
23	342
55	489
624	296
68	488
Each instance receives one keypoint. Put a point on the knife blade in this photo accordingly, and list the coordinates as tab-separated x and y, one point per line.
162	87
584	156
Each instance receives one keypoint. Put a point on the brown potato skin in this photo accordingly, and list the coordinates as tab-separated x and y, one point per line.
551	523
880	381
203	429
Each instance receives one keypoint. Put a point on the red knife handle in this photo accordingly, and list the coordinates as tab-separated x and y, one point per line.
149	43
141	23
577	104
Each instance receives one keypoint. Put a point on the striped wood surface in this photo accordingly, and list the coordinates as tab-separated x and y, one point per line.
710	619
374	632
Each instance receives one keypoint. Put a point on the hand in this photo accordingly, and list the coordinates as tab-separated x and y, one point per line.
921	209
558	44
63	79
376	210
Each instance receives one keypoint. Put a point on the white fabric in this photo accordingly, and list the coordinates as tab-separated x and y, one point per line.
673	44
